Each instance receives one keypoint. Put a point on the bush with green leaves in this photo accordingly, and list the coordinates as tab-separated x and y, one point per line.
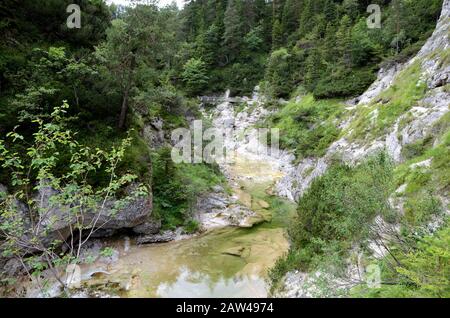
337	211
308	126
278	78
176	188
421	269
27	224
195	76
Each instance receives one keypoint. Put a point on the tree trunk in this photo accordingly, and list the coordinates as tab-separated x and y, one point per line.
77	100
124	110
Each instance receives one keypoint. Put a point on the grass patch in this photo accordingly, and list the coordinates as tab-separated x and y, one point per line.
307	127
404	94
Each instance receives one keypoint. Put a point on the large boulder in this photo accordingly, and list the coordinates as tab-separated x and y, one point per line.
57	220
164	237
153	133
149	227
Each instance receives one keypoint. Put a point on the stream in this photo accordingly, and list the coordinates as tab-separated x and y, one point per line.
221	262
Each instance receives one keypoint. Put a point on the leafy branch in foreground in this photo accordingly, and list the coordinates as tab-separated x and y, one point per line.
49	215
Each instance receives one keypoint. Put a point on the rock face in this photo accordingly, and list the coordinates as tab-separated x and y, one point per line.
149	227
384	80
153	133
164	237
218	209
242	141
435	72
57	220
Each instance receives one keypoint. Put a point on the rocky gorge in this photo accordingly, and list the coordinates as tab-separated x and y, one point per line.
242	225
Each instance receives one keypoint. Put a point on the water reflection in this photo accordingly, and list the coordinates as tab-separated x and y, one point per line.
199	285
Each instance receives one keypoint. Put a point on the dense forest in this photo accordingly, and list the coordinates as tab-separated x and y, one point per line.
129	66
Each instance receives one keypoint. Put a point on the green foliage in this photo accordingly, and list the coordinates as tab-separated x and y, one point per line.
337	211
307	127
233	27
75	200
277	35
417	265
254	39
278	83
428	268
344	83
340	205
416	149
422	271
293	260
424	184
341	55
400	97
107	252
195	76
420	209
176	188
191	226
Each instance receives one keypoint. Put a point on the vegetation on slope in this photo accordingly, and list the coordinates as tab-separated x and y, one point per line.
307	127
128	66
323	45
336	212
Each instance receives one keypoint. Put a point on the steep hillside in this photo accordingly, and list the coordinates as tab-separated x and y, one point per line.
399	109
382	187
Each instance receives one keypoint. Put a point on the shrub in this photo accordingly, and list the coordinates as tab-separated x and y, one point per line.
27	236
195	76
336	211
176	188
422	271
278	74
344	84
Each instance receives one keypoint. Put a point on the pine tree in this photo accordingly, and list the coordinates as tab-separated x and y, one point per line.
263	16
313	69
329	10
344	41
398	12
330	44
351	8
277	35
291	14
233	29
306	18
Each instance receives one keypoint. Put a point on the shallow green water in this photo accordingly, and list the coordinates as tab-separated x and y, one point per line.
227	262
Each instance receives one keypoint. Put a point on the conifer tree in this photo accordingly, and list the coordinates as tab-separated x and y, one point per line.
344	41
306	21
277	35
291	14
233	31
